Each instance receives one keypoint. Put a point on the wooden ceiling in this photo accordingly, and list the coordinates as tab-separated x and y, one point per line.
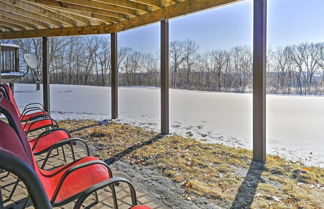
38	18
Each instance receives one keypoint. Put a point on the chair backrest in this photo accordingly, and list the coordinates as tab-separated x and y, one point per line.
20	147
10	142
15	160
9	94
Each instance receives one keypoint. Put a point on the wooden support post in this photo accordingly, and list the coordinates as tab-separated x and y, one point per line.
12	85
17	60
114	76
46	76
259	79
165	77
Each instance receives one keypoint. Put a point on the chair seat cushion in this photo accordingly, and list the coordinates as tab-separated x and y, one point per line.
38	125
33	115
76	182
48	140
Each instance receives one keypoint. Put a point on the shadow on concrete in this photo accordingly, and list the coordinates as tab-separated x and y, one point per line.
246	192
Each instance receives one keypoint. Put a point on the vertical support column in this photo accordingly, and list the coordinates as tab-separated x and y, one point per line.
164	76
17	60
114	76
259	79
12	85
46	76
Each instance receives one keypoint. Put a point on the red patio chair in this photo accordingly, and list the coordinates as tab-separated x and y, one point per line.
45	140
62	184
30	111
33	121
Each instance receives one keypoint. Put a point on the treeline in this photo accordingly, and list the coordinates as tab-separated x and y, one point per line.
296	69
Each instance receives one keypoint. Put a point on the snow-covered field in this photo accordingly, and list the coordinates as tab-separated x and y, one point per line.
295	124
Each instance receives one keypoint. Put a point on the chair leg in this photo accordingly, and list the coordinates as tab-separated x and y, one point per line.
114	196
63	152
96	197
72	150
81	200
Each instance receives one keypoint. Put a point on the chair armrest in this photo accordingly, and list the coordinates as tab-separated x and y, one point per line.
54	124
62	143
75	168
30	109
36	120
110	182
36	116
35	105
49	132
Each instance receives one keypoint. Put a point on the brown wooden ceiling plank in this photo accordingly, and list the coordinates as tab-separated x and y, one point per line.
60	4
24	24
28	13
19	17
183	8
6	27
128	4
12	25
86	17
35	8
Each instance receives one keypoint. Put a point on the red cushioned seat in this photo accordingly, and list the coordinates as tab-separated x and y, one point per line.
32	126
33	115
42	143
77	182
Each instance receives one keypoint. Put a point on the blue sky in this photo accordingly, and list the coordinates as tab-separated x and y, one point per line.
289	22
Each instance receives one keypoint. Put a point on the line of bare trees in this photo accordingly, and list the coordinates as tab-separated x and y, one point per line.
297	69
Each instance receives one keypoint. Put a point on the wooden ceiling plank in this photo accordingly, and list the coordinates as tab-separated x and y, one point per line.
60	4
29	14
103	6
39	24
6	27
128	4
24	24
12	25
86	17
156	3
183	8
80	20
35	8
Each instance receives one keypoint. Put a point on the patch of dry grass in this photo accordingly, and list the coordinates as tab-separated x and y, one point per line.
222	174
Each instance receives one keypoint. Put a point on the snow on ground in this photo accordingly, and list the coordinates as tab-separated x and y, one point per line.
294	125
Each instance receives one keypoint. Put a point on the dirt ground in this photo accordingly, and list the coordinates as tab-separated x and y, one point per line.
181	172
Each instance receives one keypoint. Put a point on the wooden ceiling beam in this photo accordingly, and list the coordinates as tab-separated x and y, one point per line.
64	21
60	4
156	3
11	25
128	4
79	19
23	24
29	14
6	27
18	17
179	9
104	6
86	17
